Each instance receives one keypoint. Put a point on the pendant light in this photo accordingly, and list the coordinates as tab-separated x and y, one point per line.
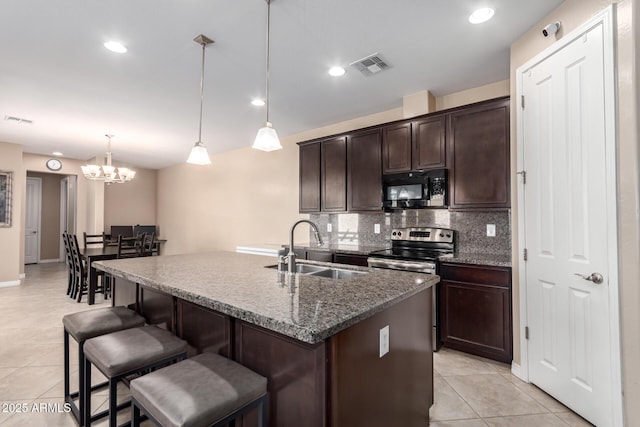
267	138
107	172
199	155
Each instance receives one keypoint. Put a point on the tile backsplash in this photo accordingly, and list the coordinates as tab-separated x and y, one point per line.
470	227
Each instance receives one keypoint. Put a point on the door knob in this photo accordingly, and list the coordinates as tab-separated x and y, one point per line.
593	277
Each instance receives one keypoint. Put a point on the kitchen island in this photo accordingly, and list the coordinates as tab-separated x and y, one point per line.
316	339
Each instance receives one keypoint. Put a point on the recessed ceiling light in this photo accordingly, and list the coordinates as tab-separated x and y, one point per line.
481	15
336	71
257	102
115	47
57	153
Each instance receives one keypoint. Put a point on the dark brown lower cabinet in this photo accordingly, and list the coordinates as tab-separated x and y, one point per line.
476	310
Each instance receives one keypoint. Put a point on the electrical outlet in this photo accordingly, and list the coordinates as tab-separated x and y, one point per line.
384	340
376	228
491	230
329	228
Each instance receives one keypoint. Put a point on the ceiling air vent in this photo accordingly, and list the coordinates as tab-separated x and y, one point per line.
371	64
18	120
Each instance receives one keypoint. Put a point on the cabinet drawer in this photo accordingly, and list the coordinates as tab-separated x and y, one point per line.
499	276
351	259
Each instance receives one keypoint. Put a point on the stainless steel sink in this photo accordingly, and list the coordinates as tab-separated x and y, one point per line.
322	271
303	268
338	273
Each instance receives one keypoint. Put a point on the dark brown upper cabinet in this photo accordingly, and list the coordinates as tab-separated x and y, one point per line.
396	148
334	175
414	145
478	156
310	177
429	143
364	171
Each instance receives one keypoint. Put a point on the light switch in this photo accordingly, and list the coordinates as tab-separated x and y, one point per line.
376	228
491	230
384	340
329	228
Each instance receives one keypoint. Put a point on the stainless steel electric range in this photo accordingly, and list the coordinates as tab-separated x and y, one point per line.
417	249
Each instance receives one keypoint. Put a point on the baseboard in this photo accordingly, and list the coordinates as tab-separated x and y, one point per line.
49	261
517	371
9	284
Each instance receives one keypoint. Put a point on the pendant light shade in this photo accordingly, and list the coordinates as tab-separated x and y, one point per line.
199	155
267	138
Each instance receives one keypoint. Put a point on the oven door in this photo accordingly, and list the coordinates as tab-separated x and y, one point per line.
426	267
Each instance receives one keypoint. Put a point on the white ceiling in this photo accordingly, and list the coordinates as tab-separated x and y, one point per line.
55	71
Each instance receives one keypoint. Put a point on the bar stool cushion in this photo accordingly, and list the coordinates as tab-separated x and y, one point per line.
197	391
132	349
92	323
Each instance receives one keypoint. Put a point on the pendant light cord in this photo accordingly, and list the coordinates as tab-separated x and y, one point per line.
204	45
268	55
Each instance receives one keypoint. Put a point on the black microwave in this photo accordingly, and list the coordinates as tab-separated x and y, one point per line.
415	190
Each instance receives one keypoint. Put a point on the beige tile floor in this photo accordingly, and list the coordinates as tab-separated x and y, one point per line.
469	391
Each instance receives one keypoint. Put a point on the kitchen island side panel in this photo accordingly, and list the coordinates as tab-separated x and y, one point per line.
296	374
395	389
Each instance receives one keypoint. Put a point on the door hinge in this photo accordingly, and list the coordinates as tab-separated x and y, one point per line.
526	332
525	254
524	176
522	101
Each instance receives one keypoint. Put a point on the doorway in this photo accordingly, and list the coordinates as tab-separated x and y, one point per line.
567	222
33	201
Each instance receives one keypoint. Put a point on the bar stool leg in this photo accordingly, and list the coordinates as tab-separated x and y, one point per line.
87	393
113	402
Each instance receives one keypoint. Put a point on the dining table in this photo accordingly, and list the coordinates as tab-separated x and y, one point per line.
108	252
90	255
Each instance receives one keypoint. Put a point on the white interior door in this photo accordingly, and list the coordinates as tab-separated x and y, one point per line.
567	227
32	220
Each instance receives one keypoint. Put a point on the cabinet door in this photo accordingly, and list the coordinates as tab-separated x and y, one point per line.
478	140
334	175
310	177
429	143
475	310
364	176
396	148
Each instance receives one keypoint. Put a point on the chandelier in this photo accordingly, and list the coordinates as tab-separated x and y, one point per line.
107	172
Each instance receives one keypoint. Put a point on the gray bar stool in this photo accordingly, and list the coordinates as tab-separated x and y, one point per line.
205	390
83	326
125	353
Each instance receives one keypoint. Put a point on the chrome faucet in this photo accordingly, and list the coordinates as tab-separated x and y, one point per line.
291	256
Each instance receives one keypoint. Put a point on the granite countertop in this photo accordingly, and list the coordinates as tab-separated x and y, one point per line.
478	258
307	308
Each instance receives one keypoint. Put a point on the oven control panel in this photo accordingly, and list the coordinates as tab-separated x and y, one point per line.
423	234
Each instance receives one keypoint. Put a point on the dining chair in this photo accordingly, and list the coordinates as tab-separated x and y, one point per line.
94	239
130	247
102	241
68	261
81	273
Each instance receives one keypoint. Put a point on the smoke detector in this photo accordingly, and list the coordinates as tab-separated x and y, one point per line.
18	120
371	64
